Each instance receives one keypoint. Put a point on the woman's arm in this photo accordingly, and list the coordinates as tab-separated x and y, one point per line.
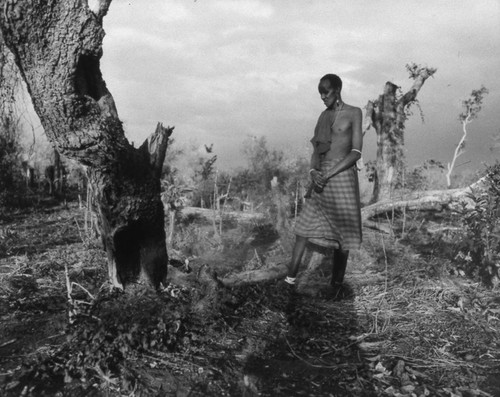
315	173
315	161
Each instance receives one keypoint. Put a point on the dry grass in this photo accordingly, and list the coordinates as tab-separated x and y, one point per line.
406	328
424	326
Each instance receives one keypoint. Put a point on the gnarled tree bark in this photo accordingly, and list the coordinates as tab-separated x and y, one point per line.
387	115
57	46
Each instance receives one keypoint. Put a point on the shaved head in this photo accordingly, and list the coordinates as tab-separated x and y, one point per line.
334	80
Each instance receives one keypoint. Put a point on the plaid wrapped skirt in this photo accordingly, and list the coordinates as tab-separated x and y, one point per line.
332	218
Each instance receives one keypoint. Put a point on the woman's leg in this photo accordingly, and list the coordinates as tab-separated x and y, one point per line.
297	253
339	265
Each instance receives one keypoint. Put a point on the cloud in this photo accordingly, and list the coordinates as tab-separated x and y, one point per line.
243	8
219	70
173	12
140	38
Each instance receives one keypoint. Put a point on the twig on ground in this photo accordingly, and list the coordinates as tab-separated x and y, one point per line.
311	364
79	231
386	264
9	342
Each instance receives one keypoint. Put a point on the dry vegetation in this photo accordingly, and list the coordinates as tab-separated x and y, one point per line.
410	323
420	315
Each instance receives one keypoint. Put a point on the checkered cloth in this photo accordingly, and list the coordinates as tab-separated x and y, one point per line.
332	218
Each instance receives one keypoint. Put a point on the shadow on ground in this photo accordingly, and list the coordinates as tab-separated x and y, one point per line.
315	352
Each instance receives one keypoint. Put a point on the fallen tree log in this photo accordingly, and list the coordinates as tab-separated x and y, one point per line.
432	200
312	260
209	215
268	273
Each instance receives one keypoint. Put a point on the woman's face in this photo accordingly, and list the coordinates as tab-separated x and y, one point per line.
327	93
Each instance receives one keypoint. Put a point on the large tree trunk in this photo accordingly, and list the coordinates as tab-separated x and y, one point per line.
388	115
57	46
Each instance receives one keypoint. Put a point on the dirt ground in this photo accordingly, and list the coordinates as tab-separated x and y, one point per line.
402	326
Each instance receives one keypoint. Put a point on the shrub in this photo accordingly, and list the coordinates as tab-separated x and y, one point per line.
479	246
266	166
429	175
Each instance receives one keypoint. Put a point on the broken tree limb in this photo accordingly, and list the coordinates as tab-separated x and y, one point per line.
156	147
433	200
100	8
419	74
208	215
369	116
269	273
312	260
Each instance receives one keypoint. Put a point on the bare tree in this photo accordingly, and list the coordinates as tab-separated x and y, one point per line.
387	115
57	46
472	107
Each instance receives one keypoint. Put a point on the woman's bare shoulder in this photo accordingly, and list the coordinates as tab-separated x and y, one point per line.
352	110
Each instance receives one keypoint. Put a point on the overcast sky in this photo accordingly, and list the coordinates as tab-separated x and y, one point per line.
223	70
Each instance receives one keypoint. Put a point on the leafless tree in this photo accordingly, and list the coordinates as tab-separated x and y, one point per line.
472	107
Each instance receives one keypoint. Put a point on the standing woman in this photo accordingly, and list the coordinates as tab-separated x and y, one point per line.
331	216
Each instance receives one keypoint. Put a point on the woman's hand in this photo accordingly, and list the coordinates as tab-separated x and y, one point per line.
318	178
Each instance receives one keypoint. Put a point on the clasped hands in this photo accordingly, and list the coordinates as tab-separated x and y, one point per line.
319	180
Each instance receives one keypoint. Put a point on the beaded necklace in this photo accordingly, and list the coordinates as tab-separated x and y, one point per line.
336	114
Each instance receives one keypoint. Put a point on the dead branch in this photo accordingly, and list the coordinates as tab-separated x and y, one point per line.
419	74
100	8
156	146
432	200
207	214
272	272
369	116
